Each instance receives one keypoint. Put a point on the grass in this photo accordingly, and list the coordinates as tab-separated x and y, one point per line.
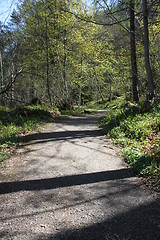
72	112
96	105
78	111
15	122
125	122
21	120
137	132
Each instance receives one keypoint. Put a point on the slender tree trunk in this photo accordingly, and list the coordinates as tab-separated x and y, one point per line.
47	63
31	93
110	89
146	51
80	97
99	88
80	86
64	62
2	78
12	88
133	52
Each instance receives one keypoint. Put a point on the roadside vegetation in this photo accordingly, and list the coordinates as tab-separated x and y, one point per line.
78	111
65	53
127	123
138	132
22	120
19	121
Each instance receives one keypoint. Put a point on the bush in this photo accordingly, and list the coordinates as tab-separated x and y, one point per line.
138	133
20	120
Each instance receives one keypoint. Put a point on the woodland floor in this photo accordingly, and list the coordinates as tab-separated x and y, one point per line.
67	181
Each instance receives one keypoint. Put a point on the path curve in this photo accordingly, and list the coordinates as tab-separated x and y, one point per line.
67	181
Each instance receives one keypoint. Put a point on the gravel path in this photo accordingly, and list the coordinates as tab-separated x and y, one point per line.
68	182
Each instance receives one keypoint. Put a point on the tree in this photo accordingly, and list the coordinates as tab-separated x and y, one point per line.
133	51
63	52
146	51
113	10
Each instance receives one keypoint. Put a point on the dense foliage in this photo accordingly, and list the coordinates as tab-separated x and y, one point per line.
17	122
66	53
138	132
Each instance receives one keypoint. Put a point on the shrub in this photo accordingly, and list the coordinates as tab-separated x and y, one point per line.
138	133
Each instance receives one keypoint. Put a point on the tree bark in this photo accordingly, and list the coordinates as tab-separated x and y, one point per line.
133	52
12	88
99	88
146	51
2	80
64	61
80	86
47	63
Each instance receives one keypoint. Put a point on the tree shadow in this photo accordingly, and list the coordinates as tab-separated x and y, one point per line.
140	223
60	136
83	119
65	181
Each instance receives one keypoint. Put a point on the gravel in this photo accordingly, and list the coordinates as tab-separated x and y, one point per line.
67	181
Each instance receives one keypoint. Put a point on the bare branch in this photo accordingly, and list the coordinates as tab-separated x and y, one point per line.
10	84
96	22
8	11
7	88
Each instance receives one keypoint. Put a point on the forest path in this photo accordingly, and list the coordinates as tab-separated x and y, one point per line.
68	182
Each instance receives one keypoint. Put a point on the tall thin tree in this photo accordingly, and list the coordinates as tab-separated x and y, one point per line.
133	51
146	51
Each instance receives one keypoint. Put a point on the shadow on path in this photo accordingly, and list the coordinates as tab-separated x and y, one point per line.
140	223
61	136
88	120
66	181
82	119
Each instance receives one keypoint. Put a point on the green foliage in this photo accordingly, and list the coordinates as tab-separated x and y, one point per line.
138	133
142	163
75	111
20	121
97	105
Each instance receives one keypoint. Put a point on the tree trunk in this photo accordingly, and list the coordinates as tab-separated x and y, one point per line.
12	88
2	80
133	52
80	86
99	88
47	63
64	62
146	51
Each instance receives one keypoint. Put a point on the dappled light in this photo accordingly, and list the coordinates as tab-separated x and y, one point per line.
68	182
80	119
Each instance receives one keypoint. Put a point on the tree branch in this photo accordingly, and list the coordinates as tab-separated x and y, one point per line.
11	83
95	22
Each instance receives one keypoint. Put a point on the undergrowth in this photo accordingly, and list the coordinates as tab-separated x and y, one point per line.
96	105
78	111
137	132
72	112
15	122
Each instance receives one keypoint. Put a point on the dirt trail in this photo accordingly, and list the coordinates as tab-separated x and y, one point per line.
68	182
